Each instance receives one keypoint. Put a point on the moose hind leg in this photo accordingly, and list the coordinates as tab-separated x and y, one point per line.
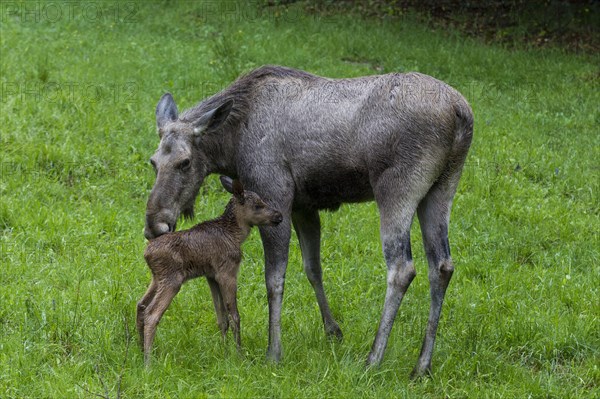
395	235
308	228
434	214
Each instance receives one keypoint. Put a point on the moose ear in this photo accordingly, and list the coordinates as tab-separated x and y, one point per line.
214	118
166	110
227	183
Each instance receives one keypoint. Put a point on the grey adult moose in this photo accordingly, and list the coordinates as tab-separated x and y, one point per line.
306	143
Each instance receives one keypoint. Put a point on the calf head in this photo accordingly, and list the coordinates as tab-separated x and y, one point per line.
248	207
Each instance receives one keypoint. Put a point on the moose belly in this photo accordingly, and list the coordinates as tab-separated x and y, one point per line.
328	189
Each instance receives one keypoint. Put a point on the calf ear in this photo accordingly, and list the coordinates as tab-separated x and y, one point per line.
213	119
238	191
166	110
227	183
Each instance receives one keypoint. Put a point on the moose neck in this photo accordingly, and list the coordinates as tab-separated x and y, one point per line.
220	149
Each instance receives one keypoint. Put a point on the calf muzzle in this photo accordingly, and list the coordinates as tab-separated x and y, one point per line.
276	219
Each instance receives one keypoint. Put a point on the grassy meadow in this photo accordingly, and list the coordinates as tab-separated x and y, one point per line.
79	84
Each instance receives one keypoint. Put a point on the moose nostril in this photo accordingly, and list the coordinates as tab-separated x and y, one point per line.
159	229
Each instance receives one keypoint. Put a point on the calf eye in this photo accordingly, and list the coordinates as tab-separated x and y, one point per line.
258	207
185	164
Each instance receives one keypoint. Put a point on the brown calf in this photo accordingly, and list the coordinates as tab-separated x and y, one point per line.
210	249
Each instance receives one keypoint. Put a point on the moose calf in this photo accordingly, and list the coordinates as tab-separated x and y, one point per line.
210	249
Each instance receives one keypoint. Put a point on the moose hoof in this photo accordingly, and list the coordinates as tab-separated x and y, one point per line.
274	356
420	372
333	331
372	360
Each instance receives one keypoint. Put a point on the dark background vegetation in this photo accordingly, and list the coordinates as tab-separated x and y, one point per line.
570	24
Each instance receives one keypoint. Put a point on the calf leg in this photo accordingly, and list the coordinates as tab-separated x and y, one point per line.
222	319
434	216
228	288
141	310
308	229
154	312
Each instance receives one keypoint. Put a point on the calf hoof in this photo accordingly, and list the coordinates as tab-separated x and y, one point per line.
241	352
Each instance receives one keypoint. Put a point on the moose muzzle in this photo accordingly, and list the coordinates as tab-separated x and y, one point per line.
159	223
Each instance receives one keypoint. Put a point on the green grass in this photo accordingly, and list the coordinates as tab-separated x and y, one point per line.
79	87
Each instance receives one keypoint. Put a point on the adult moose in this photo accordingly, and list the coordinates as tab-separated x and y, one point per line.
306	143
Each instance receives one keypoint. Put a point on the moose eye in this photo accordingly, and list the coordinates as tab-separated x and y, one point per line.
185	164
258	207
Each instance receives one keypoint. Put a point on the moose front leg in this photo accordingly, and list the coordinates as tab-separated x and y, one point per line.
308	228
276	241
